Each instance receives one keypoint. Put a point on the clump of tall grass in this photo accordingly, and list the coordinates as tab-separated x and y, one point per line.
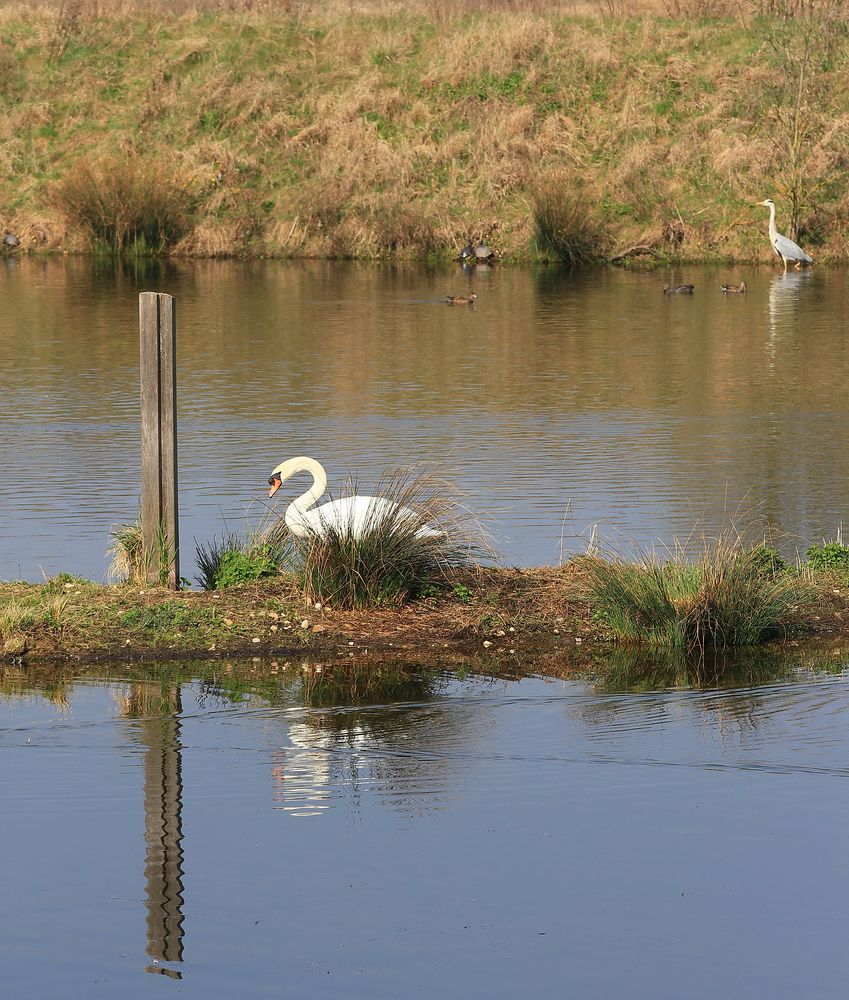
126	549
725	596
392	554
233	559
124	203
130	563
565	225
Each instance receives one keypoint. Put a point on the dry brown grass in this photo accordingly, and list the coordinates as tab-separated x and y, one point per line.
122	201
387	128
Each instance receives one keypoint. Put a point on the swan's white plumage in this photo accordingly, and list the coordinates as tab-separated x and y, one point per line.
350	516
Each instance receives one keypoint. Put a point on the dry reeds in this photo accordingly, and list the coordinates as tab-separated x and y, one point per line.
124	203
565	225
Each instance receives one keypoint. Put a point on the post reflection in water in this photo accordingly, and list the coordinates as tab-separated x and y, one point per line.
157	710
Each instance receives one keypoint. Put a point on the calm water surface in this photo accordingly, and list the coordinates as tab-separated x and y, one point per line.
559	402
468	838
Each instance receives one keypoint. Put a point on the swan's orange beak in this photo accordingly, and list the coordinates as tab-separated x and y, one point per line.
274	483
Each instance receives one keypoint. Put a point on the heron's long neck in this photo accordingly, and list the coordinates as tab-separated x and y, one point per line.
319	485
773	232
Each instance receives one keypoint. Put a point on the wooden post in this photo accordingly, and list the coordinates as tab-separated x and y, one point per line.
159	515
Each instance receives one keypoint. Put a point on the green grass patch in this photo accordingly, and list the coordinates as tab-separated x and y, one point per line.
832	557
234	560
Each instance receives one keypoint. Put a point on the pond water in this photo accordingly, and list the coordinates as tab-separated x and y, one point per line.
204	833
560	401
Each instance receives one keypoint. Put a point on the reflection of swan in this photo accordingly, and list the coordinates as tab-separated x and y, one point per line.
785	249
350	516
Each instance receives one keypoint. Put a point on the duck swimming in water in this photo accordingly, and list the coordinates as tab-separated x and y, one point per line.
678	289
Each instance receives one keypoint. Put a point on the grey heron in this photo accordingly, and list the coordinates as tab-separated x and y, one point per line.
785	249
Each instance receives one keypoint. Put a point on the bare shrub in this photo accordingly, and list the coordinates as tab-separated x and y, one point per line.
122	202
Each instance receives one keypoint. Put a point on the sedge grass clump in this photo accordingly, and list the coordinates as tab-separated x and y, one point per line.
124	204
721	598
127	550
565	226
404	542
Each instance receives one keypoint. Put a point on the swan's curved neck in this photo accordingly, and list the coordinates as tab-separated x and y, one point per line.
319	485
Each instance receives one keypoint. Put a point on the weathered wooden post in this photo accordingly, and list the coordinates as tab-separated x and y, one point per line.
159	516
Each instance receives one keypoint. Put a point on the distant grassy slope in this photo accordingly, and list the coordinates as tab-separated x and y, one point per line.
379	134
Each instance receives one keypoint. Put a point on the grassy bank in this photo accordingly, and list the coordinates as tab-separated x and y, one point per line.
522	616
381	129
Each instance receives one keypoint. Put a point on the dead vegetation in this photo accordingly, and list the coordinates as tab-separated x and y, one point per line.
387	129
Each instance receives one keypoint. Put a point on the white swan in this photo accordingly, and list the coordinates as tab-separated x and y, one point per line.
351	516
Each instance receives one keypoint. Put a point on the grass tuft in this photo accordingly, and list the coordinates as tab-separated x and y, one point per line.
389	560
124	204
565	226
125	547
725	597
233	560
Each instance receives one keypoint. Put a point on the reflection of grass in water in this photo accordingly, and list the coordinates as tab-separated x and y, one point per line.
357	684
652	670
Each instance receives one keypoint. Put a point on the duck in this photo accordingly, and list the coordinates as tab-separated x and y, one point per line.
785	249
678	289
352	517
461	300
735	289
480	254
